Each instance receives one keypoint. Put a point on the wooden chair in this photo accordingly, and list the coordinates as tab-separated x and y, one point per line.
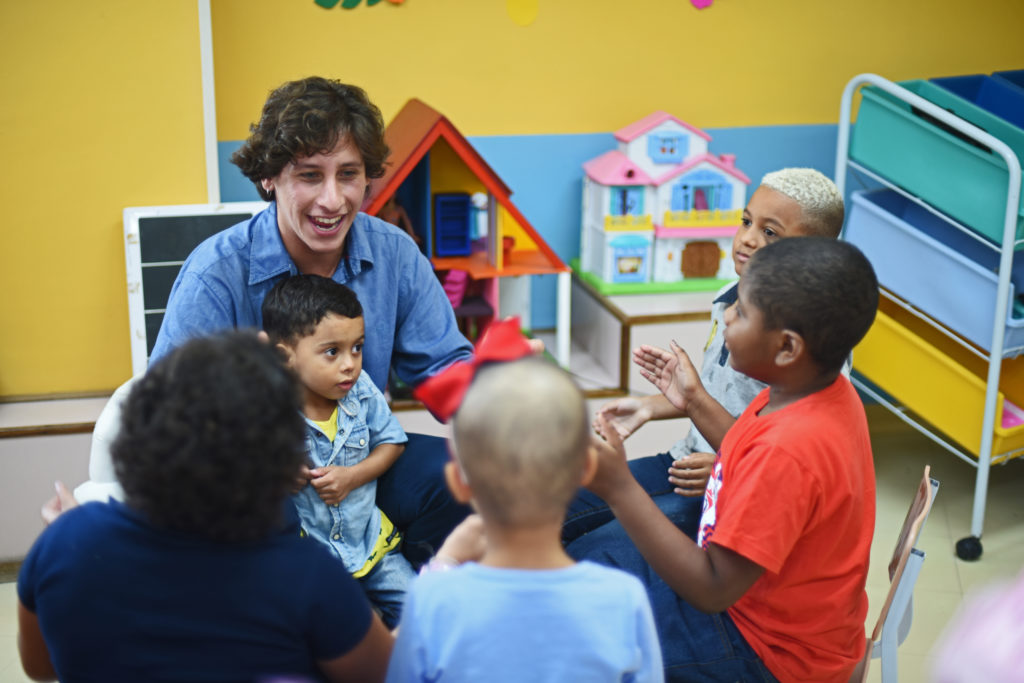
893	623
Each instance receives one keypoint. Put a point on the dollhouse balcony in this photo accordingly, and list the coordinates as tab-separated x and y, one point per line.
628	222
702	219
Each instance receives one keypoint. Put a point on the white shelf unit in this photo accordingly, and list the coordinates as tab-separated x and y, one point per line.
968	547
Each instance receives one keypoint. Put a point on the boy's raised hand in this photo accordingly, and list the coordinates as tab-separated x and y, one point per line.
332	483
671	371
612	468
625	415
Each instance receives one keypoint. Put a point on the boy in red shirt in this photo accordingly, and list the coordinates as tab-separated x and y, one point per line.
773	589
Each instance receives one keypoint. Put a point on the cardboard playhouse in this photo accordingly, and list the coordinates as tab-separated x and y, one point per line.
660	211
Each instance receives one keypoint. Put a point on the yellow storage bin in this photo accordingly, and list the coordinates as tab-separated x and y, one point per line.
940	380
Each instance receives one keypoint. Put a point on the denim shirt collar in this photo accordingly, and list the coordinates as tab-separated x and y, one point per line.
269	258
729	296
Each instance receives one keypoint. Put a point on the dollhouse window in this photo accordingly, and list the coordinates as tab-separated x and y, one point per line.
666	149
626	201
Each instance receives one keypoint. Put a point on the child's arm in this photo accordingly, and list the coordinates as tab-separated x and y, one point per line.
630	413
709	580
367	661
35	656
678	380
334	482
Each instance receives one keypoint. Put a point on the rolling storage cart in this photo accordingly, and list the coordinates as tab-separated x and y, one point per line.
946	347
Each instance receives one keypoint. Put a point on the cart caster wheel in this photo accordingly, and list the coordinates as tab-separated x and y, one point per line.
968	548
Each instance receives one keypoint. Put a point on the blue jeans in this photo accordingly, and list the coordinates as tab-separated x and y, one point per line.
386	584
414	496
588	512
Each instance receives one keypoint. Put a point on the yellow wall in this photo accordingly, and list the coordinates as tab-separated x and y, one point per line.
593	65
101	109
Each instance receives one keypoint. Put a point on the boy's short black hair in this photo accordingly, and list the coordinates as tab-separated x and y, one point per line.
212	439
821	288
305	117
296	305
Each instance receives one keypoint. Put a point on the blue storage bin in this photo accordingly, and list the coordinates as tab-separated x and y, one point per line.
918	153
1015	78
942	271
995	95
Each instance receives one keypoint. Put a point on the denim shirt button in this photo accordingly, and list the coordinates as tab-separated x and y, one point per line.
337	537
362	442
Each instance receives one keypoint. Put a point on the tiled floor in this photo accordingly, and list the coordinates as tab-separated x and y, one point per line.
900	456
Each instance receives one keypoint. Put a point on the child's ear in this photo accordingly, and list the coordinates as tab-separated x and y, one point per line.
287	352
589	466
457	483
791	348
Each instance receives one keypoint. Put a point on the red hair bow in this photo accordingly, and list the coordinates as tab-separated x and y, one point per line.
442	394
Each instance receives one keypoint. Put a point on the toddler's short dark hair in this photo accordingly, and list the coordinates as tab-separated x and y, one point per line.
296	305
819	287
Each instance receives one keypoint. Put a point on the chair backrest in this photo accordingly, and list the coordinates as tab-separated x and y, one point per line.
902	580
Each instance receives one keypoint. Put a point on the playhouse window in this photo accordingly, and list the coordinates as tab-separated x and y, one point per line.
666	149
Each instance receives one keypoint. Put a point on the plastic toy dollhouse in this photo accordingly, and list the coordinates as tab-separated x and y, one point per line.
660	209
439	189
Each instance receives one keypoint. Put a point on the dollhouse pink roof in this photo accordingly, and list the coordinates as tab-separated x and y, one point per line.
615	168
638	128
725	162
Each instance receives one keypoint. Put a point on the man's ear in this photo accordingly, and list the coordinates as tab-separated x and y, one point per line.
589	466
791	348
457	483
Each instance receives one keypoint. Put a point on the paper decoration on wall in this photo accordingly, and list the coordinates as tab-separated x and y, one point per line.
701	4
523	12
349	4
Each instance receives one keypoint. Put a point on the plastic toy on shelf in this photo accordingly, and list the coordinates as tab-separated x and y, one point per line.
941	360
465	222
660	211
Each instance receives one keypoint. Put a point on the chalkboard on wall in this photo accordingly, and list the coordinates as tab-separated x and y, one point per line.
157	240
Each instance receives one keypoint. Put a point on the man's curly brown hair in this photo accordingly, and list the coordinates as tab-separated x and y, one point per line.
307	117
211	439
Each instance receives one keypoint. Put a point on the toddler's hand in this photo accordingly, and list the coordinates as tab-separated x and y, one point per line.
332	483
466	543
61	502
611	460
690	475
301	479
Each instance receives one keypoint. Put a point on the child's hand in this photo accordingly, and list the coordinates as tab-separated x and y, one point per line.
332	483
671	371
61	502
466	543
690	475
301	479
612	469
625	415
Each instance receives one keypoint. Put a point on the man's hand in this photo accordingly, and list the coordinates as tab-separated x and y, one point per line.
690	475
625	415
332	483
671	371
61	502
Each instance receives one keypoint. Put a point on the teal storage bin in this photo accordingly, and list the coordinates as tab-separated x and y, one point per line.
934	162
994	95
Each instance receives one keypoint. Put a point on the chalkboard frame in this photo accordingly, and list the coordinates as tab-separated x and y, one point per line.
151	260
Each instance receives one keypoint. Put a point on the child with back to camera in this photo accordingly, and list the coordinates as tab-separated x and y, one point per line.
524	611
197	576
351	436
781	557
789	202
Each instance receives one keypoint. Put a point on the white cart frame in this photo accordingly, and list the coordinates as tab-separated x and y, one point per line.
969	547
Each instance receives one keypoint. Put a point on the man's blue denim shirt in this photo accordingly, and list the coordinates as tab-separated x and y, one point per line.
349	529
409	320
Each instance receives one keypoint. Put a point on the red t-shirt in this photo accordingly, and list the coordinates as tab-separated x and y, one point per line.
794	491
